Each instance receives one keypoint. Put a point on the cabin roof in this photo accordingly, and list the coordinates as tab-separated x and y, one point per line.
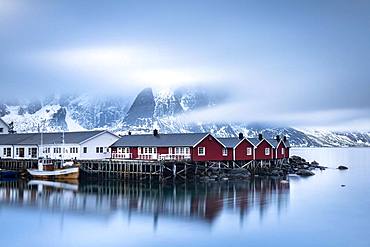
229	142
47	138
161	140
254	141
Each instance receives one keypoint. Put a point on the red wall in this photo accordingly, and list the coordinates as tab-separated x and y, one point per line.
241	151
134	152
260	151
229	156
280	155
287	150
162	150
213	150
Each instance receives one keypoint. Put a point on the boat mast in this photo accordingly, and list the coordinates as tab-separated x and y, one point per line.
62	148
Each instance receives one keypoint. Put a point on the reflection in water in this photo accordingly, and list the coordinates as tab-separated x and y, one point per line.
198	201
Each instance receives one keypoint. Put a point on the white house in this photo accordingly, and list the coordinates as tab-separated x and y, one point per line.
68	145
4	127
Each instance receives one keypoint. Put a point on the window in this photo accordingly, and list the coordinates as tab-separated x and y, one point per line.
7	152
85	150
201	151
73	150
17	151
32	152
267	151
99	150
224	151
1	130
169	150
249	151
282	150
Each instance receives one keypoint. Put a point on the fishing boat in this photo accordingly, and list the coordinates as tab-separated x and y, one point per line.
52	171
48	169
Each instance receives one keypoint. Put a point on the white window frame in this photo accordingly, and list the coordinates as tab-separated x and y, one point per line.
282	151
267	151
201	153
224	152
249	151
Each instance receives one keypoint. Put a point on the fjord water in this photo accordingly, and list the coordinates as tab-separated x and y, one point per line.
328	209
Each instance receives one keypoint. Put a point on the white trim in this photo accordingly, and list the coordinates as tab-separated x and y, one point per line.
204	153
99	134
225	153
209	134
263	139
251	149
242	141
281	140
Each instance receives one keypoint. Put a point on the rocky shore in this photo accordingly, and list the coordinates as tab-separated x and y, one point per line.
295	165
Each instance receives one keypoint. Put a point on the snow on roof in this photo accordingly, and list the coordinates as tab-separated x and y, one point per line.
1	120
161	140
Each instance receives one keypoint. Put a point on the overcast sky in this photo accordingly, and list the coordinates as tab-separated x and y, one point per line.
301	63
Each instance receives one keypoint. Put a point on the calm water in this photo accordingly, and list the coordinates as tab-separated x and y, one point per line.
314	211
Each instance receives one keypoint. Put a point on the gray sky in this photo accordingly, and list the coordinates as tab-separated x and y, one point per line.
302	63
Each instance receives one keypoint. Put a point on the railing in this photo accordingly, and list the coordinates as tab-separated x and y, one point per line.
122	155
174	156
148	156
152	156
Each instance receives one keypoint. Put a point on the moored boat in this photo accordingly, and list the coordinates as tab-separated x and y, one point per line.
8	174
47	169
62	173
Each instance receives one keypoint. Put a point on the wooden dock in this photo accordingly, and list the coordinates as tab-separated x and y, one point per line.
141	170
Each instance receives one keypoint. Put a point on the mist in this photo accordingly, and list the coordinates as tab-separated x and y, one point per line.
301	64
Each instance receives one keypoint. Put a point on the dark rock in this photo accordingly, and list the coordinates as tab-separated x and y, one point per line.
314	162
343	185
239	171
304	173
342	168
277	173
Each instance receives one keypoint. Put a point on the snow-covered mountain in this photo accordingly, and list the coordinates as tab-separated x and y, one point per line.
149	110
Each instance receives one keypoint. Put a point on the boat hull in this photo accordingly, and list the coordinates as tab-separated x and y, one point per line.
67	173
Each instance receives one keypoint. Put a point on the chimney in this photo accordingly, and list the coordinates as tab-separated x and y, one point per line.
241	136
155	132
260	137
284	139
278	138
129	133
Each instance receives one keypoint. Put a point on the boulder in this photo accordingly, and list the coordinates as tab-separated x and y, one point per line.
304	173
314	163
239	171
342	168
